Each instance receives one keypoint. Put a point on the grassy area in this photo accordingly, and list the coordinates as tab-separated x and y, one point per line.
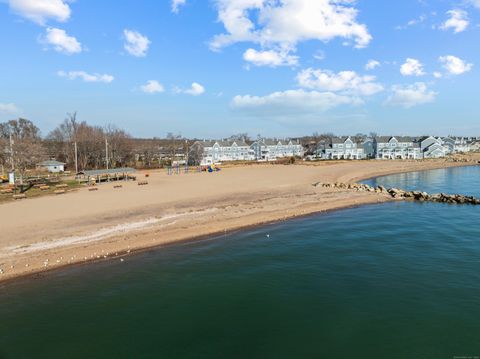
67	185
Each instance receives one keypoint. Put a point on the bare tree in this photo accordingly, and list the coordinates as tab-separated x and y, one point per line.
26	146
359	137
90	142
195	154
173	144
119	146
243	136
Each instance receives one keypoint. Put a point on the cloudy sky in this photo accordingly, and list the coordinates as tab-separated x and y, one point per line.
210	68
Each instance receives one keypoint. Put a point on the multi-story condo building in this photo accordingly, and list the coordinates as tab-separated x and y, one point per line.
475	145
344	148
223	151
461	144
448	144
432	147
397	147
270	150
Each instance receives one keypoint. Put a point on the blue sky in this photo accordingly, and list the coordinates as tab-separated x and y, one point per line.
211	68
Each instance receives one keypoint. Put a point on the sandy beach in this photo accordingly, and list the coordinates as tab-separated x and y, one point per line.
50	232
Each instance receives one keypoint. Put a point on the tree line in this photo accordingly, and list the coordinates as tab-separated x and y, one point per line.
22	146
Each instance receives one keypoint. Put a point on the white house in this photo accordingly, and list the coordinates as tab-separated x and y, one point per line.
397	147
461	144
475	146
224	151
270	150
52	166
344	148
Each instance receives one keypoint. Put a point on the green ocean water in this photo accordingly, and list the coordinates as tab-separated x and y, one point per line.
398	280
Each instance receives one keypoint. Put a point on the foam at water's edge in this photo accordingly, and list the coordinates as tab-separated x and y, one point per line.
102	233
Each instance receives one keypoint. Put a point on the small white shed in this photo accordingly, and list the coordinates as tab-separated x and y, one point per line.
52	166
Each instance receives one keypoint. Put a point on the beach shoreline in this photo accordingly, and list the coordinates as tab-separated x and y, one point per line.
31	248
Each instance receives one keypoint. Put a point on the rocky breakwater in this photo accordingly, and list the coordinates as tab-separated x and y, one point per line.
403	194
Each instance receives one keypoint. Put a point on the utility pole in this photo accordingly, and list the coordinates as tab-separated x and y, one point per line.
11	153
76	158
106	152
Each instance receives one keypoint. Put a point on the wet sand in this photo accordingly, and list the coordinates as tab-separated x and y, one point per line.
37	235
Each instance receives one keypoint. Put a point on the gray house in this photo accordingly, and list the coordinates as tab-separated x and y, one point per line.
397	147
344	148
432	147
223	151
449	144
269	149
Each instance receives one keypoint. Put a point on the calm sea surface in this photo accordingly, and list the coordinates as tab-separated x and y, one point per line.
399	280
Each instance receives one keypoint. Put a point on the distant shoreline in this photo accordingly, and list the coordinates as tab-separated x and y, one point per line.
207	205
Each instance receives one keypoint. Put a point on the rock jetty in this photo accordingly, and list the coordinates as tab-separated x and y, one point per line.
403	194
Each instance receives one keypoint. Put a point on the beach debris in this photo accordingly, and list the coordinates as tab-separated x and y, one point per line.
397	193
19	196
121	259
142	183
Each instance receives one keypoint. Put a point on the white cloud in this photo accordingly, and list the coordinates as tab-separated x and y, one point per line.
8	109
176	4
270	58
297	100
136	44
371	65
61	41
412	67
319	55
86	77
437	75
152	86
195	89
348	82
282	24
412	22
39	11
411	95
455	65
458	21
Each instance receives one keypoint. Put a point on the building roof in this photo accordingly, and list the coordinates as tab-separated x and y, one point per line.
50	163
110	171
228	143
275	142
386	139
339	139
